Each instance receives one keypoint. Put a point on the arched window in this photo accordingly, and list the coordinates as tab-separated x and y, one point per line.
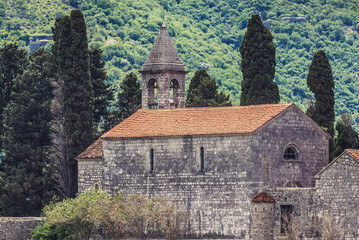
96	187
152	93
174	93
290	153
152	156
202	159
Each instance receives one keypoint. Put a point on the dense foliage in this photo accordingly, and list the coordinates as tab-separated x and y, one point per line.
72	56
129	99
203	92
26	139
117	216
320	82
103	92
347	138
208	33
258	65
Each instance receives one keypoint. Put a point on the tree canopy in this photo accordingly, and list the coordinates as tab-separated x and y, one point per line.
203	92
258	64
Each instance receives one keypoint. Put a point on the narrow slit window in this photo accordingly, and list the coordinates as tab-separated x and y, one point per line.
290	154
202	159
152	156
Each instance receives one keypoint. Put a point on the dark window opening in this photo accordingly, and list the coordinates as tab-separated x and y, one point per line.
174	93
152	93
286	219
96	187
152	155
202	159
290	154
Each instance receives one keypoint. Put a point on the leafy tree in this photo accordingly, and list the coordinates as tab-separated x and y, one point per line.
258	64
320	81
129	98
26	139
13	62
203	92
103	92
347	137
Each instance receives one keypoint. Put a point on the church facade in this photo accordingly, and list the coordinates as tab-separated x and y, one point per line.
237	171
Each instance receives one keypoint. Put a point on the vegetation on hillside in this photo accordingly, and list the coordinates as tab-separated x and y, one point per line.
208	33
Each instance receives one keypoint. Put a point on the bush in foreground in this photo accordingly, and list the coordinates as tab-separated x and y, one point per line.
119	216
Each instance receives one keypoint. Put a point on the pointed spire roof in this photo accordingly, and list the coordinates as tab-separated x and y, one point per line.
163	55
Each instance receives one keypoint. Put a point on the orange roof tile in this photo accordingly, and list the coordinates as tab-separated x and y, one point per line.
196	121
354	153
263	197
94	151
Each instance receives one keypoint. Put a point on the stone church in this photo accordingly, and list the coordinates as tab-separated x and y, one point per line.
238	171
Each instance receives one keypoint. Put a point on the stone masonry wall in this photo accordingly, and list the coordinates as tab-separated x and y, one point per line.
338	194
218	199
90	173
17	228
163	80
289	129
304	209
263	220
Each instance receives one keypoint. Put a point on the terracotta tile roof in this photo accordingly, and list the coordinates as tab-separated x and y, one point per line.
94	151
263	197
196	121
354	153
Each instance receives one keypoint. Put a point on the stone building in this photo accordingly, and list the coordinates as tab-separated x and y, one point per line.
238	171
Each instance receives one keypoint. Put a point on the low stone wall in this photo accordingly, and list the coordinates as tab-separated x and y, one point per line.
17	228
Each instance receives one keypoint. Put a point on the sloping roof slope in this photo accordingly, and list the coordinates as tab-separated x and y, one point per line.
163	55
196	121
94	151
354	153
263	197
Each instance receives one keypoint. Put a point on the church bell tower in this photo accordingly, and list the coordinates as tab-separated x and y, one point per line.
163	75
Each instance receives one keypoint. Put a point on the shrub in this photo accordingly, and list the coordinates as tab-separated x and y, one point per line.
45	231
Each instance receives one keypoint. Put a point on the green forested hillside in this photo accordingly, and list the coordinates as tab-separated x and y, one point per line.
208	33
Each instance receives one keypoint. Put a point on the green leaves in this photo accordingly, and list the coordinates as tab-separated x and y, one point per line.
258	65
119	216
203	92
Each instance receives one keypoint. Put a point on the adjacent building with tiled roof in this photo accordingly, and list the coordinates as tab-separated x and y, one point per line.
237	171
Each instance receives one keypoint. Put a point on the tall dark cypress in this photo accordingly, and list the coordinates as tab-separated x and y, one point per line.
103	92
320	81
26	139
78	93
72	59
258	65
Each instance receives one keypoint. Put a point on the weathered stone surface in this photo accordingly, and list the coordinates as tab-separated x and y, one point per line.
236	168
17	228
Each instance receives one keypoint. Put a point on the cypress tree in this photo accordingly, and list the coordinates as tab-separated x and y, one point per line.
74	81
129	98
320	81
103	92
347	137
13	62
203	92
258	65
26	139
78	94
